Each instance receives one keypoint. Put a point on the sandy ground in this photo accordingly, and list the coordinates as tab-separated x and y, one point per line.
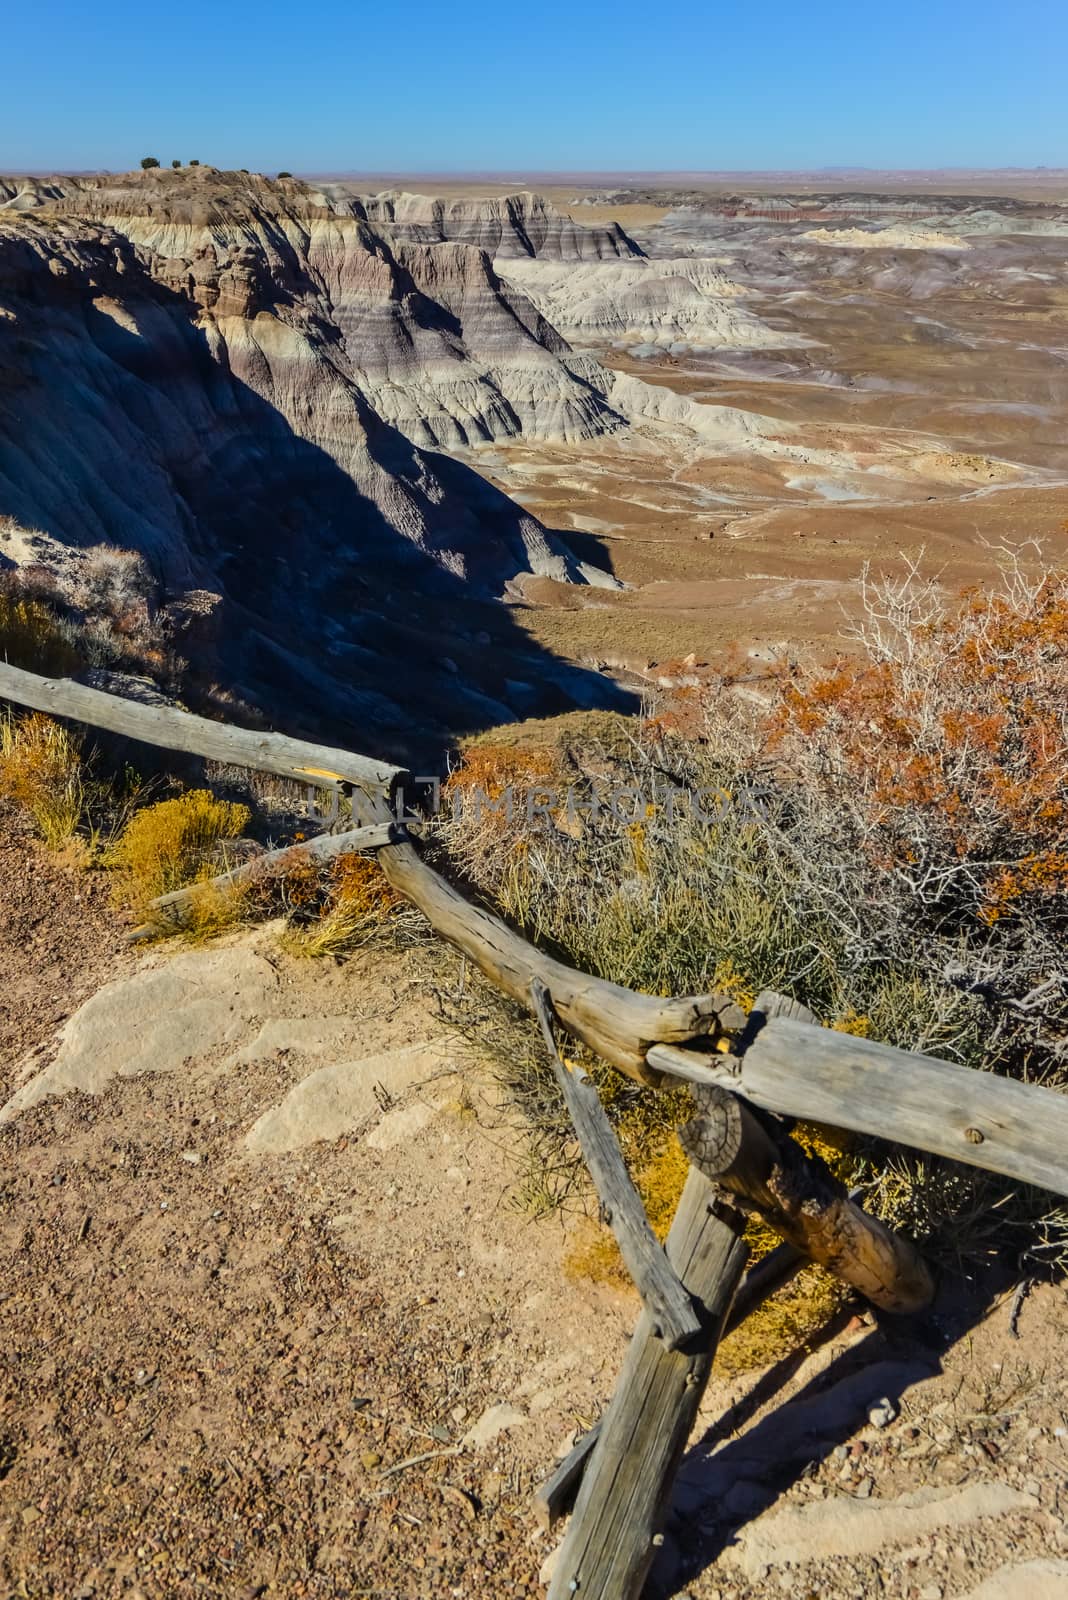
276	1319
60	939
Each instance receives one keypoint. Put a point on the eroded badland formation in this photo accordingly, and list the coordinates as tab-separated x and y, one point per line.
357	417
281	1309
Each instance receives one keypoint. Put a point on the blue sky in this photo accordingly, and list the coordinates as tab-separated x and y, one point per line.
585	85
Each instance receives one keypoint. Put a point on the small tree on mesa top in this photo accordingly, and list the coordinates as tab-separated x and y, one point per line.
176	164
148	161
285	174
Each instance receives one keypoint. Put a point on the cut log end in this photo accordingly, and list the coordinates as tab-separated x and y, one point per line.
798	1197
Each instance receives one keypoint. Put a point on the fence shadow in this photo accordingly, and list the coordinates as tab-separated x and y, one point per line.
737	1471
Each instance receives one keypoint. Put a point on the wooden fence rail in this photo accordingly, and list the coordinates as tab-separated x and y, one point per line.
795	1070
625	1491
784	1064
172	729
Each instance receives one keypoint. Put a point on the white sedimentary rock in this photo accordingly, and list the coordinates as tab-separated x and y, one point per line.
688	302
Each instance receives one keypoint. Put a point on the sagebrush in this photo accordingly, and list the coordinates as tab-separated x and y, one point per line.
886	839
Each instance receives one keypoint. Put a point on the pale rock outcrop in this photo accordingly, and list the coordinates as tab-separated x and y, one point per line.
845	1528
1026	1580
336	1099
684	303
128	1026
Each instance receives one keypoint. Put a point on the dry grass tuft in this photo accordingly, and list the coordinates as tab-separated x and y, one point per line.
41	771
212	910
355	905
33	638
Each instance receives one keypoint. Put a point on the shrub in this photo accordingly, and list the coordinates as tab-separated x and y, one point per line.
147	162
100	613
359	884
930	781
358	902
41	772
173	843
114	581
194	163
285	174
115	593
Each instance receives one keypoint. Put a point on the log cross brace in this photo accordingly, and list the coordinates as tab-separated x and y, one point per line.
751	1154
672	1314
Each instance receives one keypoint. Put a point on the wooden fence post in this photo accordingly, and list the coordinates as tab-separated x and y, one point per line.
555	1496
625	1494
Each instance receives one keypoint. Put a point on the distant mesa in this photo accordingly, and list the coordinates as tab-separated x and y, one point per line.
515	226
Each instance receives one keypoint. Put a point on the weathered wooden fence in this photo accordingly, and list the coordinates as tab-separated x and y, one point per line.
747	1075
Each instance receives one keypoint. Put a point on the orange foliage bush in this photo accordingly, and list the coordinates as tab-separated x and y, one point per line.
951	751
493	768
360	886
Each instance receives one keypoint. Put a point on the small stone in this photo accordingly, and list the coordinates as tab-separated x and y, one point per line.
864	1488
30	1514
191	1157
933	1591
882	1413
489	1490
370	1459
